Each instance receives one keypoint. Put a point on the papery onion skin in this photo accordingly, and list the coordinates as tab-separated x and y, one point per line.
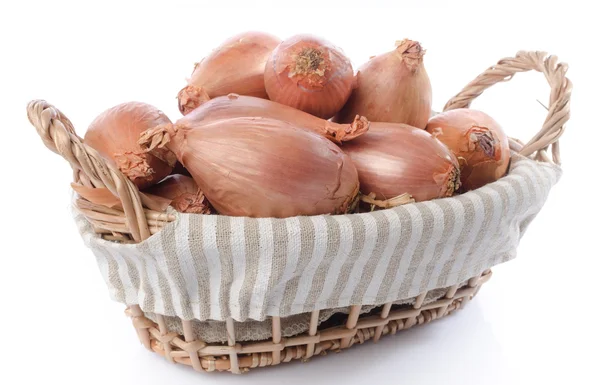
392	87
184	194
309	74
178	169
478	142
261	167
115	134
100	196
237	106
393	159
237	65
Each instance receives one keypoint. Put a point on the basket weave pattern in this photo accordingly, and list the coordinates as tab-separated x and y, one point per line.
135	223
239	358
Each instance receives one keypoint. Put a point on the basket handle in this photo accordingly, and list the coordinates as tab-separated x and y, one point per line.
57	133
560	96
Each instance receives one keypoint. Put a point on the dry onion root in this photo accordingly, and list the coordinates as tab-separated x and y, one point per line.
373	202
392	87
237	65
310	74
115	133
478	142
260	167
396	159
183	194
237	106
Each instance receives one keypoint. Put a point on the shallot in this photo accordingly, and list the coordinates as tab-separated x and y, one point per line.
310	74
478	142
237	106
392	87
237	65
183	194
260	167
393	159
115	134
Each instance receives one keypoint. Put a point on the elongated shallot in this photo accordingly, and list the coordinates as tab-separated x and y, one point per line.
260	167
393	159
237	106
392	87
237	65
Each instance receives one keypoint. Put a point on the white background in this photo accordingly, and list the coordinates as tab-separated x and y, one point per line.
534	322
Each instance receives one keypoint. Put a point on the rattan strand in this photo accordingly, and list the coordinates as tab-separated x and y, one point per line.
560	96
248	355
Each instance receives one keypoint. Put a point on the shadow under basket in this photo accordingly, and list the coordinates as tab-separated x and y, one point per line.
340	279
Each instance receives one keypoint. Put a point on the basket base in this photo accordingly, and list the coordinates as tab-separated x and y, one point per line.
243	356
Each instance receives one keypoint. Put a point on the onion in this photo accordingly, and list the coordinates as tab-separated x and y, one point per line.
115	133
392	87
478	142
236	106
237	65
183	194
261	167
393	159
309	74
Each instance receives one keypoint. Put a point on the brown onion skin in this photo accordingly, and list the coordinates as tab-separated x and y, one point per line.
183	192
393	159
392	87
261	167
115	134
237	106
178	169
309	74
478	142
237	65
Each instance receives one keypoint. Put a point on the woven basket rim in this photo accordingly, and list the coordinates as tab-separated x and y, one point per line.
177	215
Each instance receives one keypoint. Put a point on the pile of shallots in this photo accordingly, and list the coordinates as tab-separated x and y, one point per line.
275	128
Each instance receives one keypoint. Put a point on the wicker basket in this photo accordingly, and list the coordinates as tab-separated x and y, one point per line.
356	323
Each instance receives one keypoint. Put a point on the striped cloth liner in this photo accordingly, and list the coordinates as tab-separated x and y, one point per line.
212	267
